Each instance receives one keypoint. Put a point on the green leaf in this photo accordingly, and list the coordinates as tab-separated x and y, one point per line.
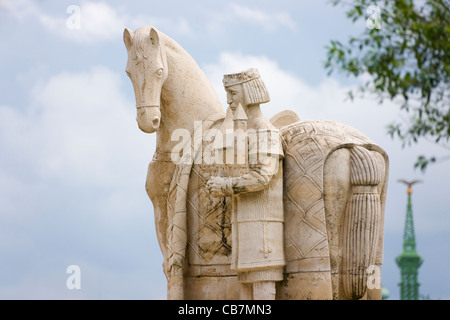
407	58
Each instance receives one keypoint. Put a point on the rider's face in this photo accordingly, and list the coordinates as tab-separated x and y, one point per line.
235	95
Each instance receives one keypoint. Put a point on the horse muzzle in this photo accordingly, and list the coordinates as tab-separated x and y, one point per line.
148	118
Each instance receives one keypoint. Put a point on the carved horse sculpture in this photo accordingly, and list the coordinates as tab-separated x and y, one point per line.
335	182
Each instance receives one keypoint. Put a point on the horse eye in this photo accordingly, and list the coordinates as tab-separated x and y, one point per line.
159	72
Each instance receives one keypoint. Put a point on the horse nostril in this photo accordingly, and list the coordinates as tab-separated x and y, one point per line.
155	123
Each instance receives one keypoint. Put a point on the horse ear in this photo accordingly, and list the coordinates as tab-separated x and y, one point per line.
127	38
154	37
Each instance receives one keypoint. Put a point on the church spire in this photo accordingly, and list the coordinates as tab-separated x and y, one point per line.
409	260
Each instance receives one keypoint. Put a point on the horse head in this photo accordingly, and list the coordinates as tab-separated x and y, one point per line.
147	69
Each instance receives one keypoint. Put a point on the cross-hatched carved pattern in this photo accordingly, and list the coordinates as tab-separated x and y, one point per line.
213	229
209	221
307	143
305	234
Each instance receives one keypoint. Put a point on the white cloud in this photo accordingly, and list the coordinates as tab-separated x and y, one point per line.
268	21
179	26
92	22
79	131
238	15
78	127
19	9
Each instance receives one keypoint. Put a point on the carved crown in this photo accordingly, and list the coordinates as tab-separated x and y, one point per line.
240	77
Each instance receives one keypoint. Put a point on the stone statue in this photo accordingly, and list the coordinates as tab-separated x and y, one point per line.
296	210
257	193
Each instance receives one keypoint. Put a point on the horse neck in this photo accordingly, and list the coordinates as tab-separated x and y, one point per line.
187	96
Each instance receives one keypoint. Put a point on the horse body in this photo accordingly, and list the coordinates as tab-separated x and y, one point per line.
173	93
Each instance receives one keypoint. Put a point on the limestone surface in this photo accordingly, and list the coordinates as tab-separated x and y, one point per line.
251	208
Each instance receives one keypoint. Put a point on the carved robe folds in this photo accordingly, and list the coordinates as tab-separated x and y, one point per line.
258	216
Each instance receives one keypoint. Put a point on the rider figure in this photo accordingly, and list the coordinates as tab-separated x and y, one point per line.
258	217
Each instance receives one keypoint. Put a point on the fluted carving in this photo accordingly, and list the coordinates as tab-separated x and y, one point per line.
360	229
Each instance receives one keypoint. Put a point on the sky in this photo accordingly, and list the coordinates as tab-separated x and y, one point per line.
73	162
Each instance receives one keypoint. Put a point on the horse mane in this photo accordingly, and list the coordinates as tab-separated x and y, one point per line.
173	52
